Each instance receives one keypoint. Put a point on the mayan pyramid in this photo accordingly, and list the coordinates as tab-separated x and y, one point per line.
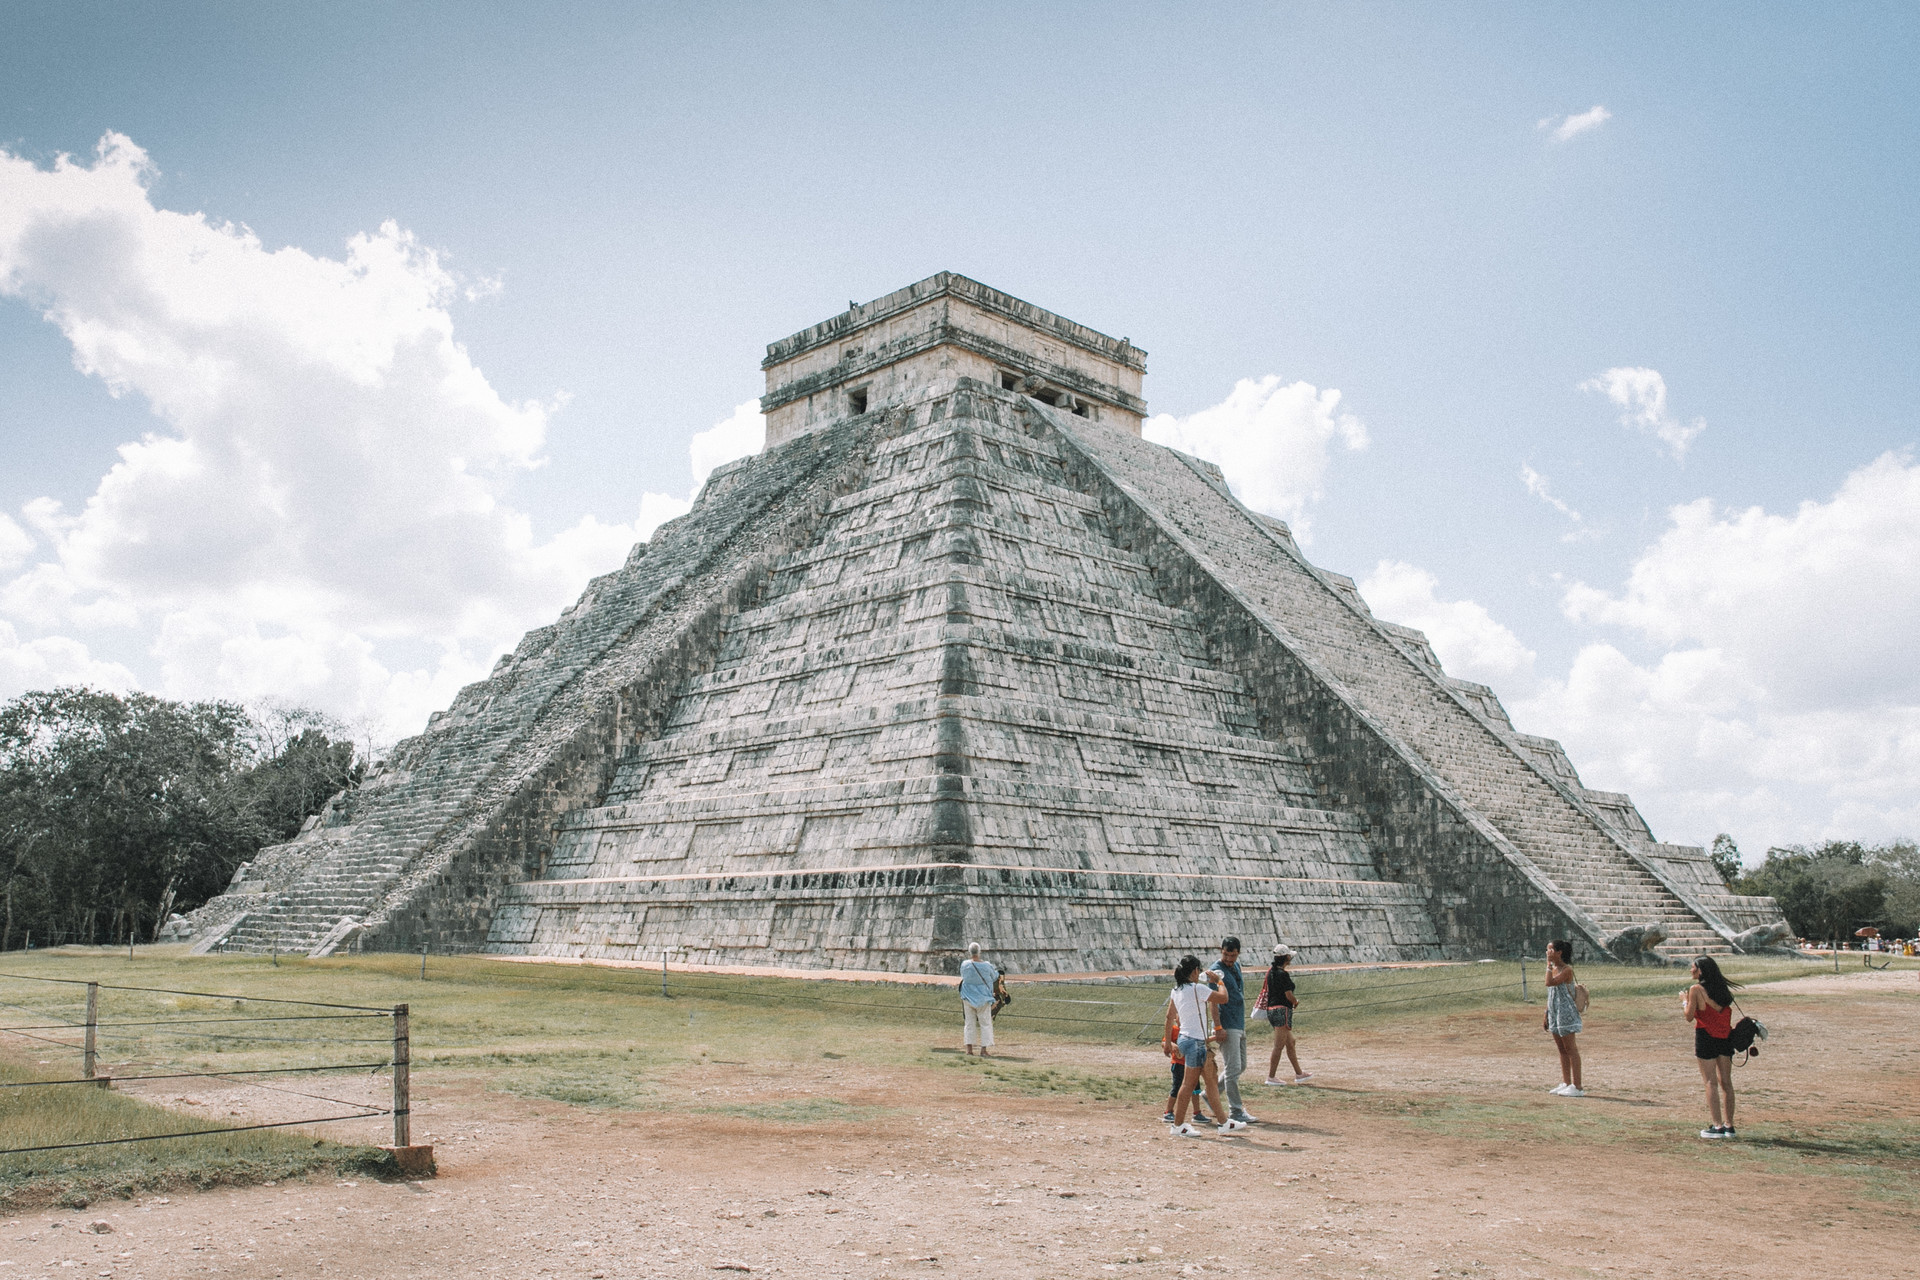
960	657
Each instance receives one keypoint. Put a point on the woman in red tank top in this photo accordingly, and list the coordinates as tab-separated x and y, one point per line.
1708	1005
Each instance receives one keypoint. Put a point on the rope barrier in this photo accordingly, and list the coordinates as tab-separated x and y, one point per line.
699	986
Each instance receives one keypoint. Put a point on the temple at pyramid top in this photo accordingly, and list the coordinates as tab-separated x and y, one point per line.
902	346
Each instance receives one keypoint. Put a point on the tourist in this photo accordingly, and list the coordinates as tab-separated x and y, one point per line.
1191	1083
1188	1029
1562	1019
1233	1028
1278	1000
1708	1005
977	979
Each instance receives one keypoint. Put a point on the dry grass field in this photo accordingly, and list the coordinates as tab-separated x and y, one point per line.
585	1126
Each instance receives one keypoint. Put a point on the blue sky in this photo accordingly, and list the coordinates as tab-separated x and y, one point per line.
621	207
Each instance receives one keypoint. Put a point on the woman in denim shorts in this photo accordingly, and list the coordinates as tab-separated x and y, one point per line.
1188	1032
1277	1002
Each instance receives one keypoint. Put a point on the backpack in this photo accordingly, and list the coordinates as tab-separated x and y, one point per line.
1747	1035
1580	997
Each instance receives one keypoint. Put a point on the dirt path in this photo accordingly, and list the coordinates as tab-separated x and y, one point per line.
1450	1160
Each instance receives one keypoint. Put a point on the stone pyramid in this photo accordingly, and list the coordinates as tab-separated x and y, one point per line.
959	657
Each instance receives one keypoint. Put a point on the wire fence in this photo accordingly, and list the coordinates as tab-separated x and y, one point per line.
125	1034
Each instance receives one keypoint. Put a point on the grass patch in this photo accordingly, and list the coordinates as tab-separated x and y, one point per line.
41	1116
799	1111
1053	1082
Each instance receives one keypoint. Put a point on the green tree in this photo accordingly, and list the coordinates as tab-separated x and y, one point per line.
1899	863
1826	892
1726	858
114	809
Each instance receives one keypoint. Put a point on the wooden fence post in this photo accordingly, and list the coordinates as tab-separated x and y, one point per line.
402	1061
93	1021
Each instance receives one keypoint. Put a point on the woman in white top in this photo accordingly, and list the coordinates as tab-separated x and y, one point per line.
1189	1029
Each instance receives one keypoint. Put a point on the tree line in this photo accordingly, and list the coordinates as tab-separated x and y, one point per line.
1831	890
117	810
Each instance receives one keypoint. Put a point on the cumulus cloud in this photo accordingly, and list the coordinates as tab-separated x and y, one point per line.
1823	604
54	660
1468	641
1566	128
15	543
1272	440
1761	679
1779	693
741	434
321	509
1642	394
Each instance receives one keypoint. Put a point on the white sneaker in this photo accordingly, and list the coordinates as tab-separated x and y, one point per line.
1232	1126
1559	1089
1186	1131
1272	1081
1573	1091
1303	1077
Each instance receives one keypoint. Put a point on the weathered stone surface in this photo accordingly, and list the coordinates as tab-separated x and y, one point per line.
973	666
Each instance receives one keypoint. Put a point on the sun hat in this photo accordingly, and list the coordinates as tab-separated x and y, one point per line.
1281	949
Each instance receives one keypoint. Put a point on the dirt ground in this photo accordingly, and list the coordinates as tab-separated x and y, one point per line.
1429	1152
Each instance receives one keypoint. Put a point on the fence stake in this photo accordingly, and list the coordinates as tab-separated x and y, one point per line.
1524	997
423	962
402	1062
663	974
93	1021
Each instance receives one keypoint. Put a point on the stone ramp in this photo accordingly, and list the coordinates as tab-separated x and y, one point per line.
1539	825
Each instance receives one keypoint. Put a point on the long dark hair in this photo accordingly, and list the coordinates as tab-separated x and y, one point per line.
1184	971
1716	984
1274	970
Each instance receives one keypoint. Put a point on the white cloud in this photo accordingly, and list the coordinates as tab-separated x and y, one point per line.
321	511
54	660
1782	698
1273	442
1467	640
15	543
1541	488
1642	393
1766	685
1822	605
741	434
1565	128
